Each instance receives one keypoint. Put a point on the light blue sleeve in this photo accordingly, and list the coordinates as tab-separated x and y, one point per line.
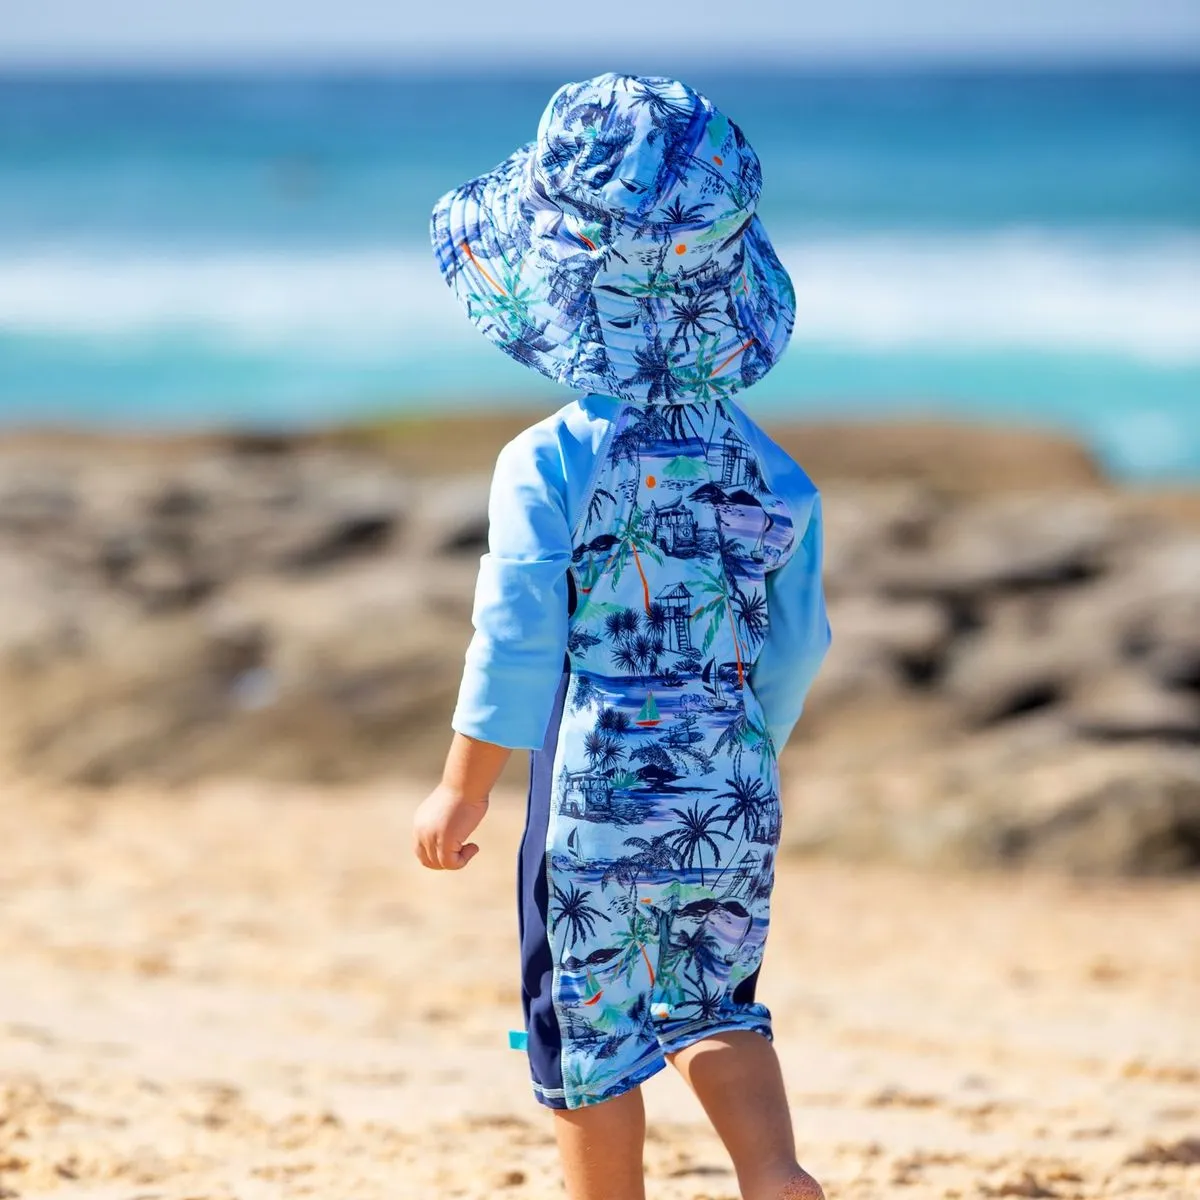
515	659
798	632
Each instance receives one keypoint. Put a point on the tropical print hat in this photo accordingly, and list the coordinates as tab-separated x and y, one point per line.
619	253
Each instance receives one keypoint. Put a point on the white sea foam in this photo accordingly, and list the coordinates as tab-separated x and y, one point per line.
353	300
1032	291
1027	291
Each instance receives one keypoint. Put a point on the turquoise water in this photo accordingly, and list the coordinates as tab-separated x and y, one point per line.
1004	244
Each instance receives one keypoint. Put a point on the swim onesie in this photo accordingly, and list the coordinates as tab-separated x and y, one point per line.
648	620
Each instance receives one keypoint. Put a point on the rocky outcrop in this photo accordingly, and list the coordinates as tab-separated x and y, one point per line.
298	608
993	648
1020	798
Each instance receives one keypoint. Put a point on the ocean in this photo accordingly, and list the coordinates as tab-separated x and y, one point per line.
252	249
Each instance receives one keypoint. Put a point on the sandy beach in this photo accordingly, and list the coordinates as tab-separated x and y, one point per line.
250	990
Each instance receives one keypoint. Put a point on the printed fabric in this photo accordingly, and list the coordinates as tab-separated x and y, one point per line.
620	253
649	616
667	559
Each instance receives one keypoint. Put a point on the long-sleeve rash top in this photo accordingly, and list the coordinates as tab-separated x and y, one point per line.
663	549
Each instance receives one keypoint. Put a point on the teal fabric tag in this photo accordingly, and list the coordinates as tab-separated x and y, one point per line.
518	1039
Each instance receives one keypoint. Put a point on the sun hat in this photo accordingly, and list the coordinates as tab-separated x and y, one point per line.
620	253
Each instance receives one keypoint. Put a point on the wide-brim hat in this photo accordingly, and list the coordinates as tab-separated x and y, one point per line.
619	253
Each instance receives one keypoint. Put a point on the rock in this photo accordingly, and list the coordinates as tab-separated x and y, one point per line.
867	524
164	583
38	622
995	677
1167	638
238	641
1168	563
1127	704
1008	800
1185	1152
179	501
330	677
906	640
1139	821
850	673
32	501
1147	609
963	459
350	515
1033	650
119	553
342	536
1008	544
452	517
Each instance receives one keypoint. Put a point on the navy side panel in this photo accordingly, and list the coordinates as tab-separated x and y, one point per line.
744	992
533	895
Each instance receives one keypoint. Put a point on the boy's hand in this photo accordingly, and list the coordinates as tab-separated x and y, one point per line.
443	822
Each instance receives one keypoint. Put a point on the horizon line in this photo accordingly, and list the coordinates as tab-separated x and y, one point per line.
418	65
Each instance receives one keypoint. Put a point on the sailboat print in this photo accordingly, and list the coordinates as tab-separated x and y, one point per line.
594	991
712	684
648	713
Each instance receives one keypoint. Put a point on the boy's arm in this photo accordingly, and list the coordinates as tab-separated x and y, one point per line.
797	633
515	659
456	806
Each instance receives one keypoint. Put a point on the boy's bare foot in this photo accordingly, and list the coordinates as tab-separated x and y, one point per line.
794	1183
802	1186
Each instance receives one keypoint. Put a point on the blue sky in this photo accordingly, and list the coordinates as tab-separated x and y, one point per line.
554	32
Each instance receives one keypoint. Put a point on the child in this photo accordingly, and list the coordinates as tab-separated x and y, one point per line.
647	621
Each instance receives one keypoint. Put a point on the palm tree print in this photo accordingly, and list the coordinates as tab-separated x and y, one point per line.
603	751
632	942
682	421
635	652
585	1076
695	832
692	315
633	541
702	380
750	799
659	102
596	504
646	651
583	692
656	853
656	621
705	1001
750	611
716	584
746	733
613	720
700	950
655	371
678	212
573	908
626	658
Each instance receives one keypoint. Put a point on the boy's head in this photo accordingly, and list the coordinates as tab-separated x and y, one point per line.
619	252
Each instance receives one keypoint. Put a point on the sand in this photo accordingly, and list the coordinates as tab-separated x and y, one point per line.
250	991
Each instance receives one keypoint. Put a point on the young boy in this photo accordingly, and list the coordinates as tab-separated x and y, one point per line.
647	621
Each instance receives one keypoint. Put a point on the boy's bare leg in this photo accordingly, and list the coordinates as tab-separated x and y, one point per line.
601	1147
737	1079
